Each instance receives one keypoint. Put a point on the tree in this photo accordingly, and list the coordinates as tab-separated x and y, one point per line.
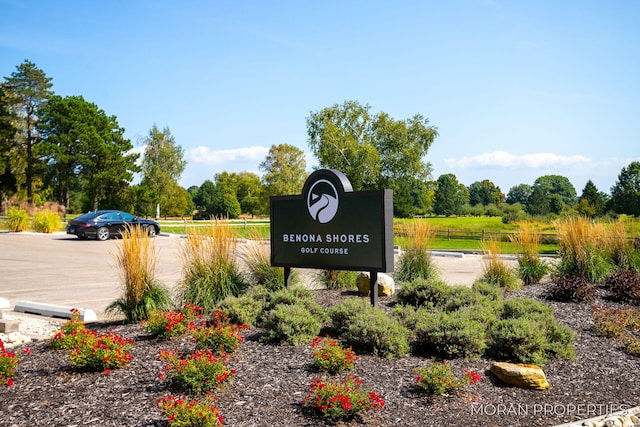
519	194
28	89
85	149
284	170
538	202
485	193
591	202
374	152
450	195
556	184
7	134
625	193
246	187
162	166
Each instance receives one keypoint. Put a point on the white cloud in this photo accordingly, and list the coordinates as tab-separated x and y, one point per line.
206	156
503	159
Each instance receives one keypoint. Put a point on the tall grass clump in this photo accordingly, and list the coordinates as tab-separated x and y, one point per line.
621	249
338	279
46	221
495	269
137	260
258	262
531	268
584	249
415	261
17	219
210	271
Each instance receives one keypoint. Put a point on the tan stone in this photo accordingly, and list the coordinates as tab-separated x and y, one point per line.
386	284
520	374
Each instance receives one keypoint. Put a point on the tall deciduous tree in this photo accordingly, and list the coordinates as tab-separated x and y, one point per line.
7	134
85	149
450	195
625	193
28	88
162	166
485	193
284	170
375	151
519	194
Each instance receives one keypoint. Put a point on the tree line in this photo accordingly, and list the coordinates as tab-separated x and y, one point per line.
68	150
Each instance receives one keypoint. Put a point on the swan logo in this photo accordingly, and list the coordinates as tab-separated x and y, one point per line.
322	201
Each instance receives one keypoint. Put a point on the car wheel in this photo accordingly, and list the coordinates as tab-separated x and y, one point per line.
152	231
103	233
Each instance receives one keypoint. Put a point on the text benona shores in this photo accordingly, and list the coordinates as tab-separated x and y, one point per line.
328	238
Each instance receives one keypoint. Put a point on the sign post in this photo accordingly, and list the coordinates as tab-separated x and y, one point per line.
329	226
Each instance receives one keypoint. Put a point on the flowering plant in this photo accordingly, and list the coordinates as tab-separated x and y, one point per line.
95	352
438	378
199	371
341	400
65	336
330	356
9	362
219	335
166	324
182	412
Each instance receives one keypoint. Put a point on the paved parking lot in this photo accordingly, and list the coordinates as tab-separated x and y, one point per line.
64	270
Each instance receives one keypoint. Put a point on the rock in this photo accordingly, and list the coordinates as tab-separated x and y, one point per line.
7	326
386	284
520	375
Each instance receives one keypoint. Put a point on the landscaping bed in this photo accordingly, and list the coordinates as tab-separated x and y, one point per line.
272	381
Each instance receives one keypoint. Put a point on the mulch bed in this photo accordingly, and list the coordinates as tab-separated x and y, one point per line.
272	380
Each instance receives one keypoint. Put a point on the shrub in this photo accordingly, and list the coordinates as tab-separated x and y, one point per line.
624	286
341	400
368	329
185	412
243	309
567	289
65	337
46	221
488	290
290	324
296	295
408	316
221	337
424	293
610	322
165	324
521	339
525	307
210	273
95	352
137	260
338	279
9	362
198	372
17	219
452	335
632	346
438	378
329	356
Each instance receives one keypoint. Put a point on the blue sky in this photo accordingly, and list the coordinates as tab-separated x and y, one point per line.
517	89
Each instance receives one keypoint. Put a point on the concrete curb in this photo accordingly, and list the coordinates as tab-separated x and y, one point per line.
56	311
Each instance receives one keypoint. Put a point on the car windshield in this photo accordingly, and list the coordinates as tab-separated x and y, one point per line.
86	217
127	216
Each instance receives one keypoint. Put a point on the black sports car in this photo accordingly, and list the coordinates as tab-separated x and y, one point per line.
108	223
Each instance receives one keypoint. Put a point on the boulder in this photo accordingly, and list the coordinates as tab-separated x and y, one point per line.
386	284
520	374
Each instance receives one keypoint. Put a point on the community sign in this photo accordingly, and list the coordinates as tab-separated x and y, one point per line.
329	226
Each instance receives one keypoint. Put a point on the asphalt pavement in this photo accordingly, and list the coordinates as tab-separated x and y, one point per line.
62	270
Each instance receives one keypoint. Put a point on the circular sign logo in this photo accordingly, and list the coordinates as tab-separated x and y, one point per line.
322	201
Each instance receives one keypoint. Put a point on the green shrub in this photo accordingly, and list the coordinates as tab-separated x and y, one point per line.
532	269
296	295
452	335
17	219
243	309
46	222
409	316
290	325
424	293
521	339
525	307
489	290
462	296
368	329
571	289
